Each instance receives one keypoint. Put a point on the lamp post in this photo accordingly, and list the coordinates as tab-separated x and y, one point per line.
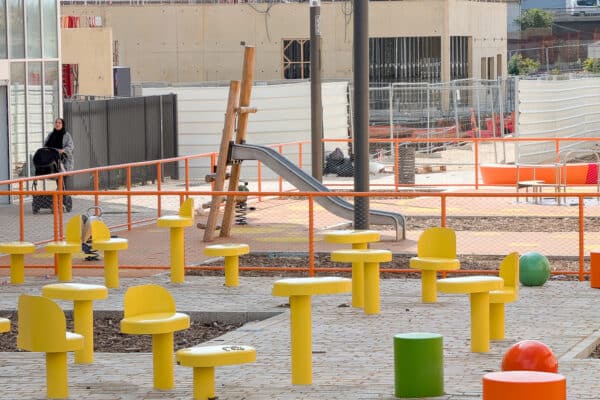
316	106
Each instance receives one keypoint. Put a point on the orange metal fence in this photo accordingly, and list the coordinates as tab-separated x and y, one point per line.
20	193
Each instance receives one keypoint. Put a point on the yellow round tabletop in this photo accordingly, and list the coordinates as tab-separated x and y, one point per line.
311	286
226	250
75	291
17	247
351	236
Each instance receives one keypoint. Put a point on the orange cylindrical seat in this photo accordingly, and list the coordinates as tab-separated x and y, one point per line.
524	385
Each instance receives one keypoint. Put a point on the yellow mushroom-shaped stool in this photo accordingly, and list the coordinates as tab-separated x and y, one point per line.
150	310
204	360
17	251
478	288
359	239
64	249
4	325
101	240
370	260
436	251
231	253
43	328
82	295
299	291
176	224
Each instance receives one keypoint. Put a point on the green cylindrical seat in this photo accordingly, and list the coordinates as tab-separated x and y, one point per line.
418	365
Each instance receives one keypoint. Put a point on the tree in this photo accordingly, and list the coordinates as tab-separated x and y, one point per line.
535	18
591	65
517	65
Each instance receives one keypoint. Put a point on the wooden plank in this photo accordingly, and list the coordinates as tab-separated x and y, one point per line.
221	173
242	125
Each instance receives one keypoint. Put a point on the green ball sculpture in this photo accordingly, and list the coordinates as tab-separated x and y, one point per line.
534	269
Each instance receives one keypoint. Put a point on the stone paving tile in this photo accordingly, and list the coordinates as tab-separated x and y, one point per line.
353	352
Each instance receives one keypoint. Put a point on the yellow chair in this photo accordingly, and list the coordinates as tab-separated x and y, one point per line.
4	325
436	251
42	328
17	251
101	240
204	359
509	272
65	248
176	224
150	310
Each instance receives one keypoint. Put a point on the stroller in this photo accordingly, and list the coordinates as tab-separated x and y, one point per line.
47	160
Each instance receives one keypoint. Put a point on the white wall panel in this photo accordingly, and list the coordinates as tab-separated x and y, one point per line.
283	116
556	108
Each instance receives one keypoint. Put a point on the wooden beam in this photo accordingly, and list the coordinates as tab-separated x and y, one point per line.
221	172
242	125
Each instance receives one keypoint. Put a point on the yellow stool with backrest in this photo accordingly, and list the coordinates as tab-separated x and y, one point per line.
64	249
369	259
81	295
42	328
4	325
150	310
436	251
299	291
231	252
509	272
359	239
17	251
176	224
205	359
101	240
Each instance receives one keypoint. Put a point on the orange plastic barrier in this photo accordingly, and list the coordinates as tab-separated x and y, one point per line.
524	385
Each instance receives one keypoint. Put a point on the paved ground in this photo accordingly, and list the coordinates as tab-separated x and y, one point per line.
353	353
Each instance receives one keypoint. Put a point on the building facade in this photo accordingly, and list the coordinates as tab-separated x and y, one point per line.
30	89
410	40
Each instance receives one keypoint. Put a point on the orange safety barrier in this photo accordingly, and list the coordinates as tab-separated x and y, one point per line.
159	193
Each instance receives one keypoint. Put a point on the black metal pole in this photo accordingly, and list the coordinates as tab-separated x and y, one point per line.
316	105
361	112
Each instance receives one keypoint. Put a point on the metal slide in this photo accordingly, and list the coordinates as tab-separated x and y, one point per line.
305	182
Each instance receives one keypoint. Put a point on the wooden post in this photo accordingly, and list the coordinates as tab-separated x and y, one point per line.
242	124
221	173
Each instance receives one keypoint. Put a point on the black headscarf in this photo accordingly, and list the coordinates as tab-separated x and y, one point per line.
56	137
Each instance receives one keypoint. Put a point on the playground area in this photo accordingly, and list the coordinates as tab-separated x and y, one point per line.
352	353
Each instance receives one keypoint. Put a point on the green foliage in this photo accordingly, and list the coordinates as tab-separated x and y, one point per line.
535	18
592	65
517	65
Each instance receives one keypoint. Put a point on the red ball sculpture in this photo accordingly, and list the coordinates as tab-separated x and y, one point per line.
529	355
